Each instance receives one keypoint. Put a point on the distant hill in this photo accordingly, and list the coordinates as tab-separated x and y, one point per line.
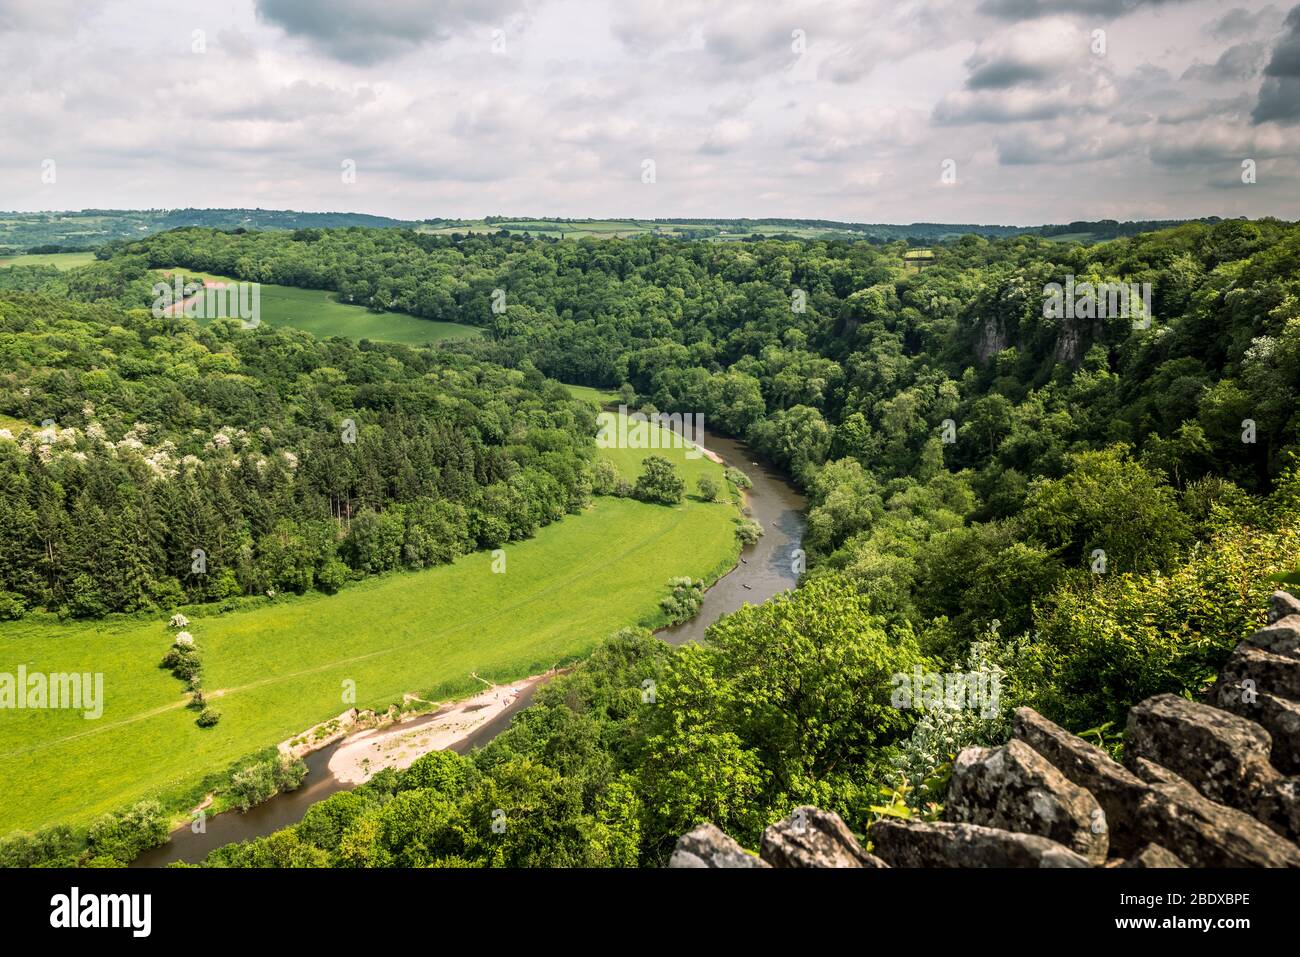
72	231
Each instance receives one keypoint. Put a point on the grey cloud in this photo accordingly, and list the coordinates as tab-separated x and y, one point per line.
1214	144
725	137
733	105
1195	110
1241	61
1000	74
741	40
1240	22
1079	143
1279	97
1030	9
45	15
364	33
1279	100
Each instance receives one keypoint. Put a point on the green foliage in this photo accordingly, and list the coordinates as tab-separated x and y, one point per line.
56	846
965	457
12	606
659	482
738	478
1106	642
170	438
123	837
1108	502
256	782
682	603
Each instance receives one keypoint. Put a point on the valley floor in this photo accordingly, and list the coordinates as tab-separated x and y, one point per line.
276	670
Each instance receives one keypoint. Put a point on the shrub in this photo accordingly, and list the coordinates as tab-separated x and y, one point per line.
208	718
748	531
12	606
57	846
684	601
288	774
659	482
604	478
332	577
183	662
443	771
737	478
252	785
126	835
708	488
325	822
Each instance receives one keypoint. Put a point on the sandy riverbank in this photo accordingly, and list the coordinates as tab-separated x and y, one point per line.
359	757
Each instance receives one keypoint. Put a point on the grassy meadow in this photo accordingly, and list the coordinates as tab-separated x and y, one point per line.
320	313
58	260
601	397
279	668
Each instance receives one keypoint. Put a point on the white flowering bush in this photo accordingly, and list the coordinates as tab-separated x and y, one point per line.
942	733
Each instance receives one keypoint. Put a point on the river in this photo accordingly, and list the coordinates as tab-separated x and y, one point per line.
765	569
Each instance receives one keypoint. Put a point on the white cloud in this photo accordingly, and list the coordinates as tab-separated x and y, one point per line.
851	122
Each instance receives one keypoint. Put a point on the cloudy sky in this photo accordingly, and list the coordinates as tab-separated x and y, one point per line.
1045	110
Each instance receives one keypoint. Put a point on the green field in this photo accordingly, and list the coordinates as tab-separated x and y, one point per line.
601	397
59	260
278	669
320	313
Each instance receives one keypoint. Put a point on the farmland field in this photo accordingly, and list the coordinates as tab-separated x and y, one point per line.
601	397
59	260
278	669
320	313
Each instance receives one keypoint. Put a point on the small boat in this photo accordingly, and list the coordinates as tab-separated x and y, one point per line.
743	585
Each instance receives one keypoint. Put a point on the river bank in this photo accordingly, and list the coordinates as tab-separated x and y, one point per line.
763	570
340	765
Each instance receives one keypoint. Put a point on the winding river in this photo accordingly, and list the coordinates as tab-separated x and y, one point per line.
765	569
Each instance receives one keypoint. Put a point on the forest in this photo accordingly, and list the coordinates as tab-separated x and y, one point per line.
1090	508
174	464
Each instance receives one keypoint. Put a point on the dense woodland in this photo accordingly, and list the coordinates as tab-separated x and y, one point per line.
1169	449
290	463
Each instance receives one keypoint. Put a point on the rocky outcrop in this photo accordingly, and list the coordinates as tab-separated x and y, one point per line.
707	846
1223	756
1016	789
992	338
1203	833
1152	856
1261	682
911	843
1116	789
808	837
1212	783
811	837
